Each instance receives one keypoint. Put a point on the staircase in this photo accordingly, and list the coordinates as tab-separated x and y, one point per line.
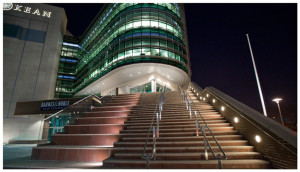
93	135
177	145
116	134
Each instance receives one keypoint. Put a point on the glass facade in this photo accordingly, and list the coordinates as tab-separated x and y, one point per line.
125	34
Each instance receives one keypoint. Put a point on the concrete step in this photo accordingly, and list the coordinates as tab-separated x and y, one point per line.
191	125
101	120
186	122
182	149
107	113
183	138
190	156
94	129
170	117
112	108
109	139
188	164
183	143
163	121
71	153
172	130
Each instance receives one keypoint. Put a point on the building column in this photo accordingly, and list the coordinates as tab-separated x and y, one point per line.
153	85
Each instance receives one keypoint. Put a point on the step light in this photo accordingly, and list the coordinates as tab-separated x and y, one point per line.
257	138
236	120
214	100
222	108
200	97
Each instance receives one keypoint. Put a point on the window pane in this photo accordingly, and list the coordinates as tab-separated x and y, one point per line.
155	52
136	52
163	43
128	43
128	53
137	42
146	41
164	53
171	55
155	42
146	51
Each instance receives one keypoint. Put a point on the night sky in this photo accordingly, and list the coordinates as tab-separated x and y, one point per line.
219	51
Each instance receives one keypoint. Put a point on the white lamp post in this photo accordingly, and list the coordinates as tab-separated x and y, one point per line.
277	101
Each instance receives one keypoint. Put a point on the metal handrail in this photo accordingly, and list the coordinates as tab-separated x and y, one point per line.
69	108
206	142
73	105
159	103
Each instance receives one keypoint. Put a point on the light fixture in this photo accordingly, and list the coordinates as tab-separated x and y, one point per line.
200	97
257	138
236	120
207	95
214	100
130	75
197	94
222	108
204	98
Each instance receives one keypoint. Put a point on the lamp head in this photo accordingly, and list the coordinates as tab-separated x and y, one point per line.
277	100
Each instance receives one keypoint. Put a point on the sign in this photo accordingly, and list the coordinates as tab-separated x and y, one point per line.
26	9
54	105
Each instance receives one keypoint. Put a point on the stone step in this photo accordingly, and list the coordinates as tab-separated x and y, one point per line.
109	139
71	153
171	117
186	138
164	121
101	120
145	126
172	130
94	129
189	122
107	113
182	143
190	156
188	164
182	149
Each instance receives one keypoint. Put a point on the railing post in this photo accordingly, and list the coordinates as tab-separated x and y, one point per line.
157	125
190	109
205	143
219	161
197	133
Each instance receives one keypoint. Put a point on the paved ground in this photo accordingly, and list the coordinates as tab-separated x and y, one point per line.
17	156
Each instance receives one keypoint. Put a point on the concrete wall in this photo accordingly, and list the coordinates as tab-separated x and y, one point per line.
30	67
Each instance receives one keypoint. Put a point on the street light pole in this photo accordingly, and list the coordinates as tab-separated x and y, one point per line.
257	79
277	101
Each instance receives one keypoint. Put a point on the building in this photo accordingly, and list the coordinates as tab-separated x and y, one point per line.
32	40
128	48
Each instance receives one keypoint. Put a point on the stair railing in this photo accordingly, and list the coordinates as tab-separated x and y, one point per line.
155	130
188	101
68	114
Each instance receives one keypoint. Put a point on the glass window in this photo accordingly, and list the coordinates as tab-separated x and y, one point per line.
154	24
120	55
163	43
162	25
136	52
146	41
146	51
137	42
146	23
155	52
170	45
128	53
171	55
163	53
137	24
155	42
128	44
